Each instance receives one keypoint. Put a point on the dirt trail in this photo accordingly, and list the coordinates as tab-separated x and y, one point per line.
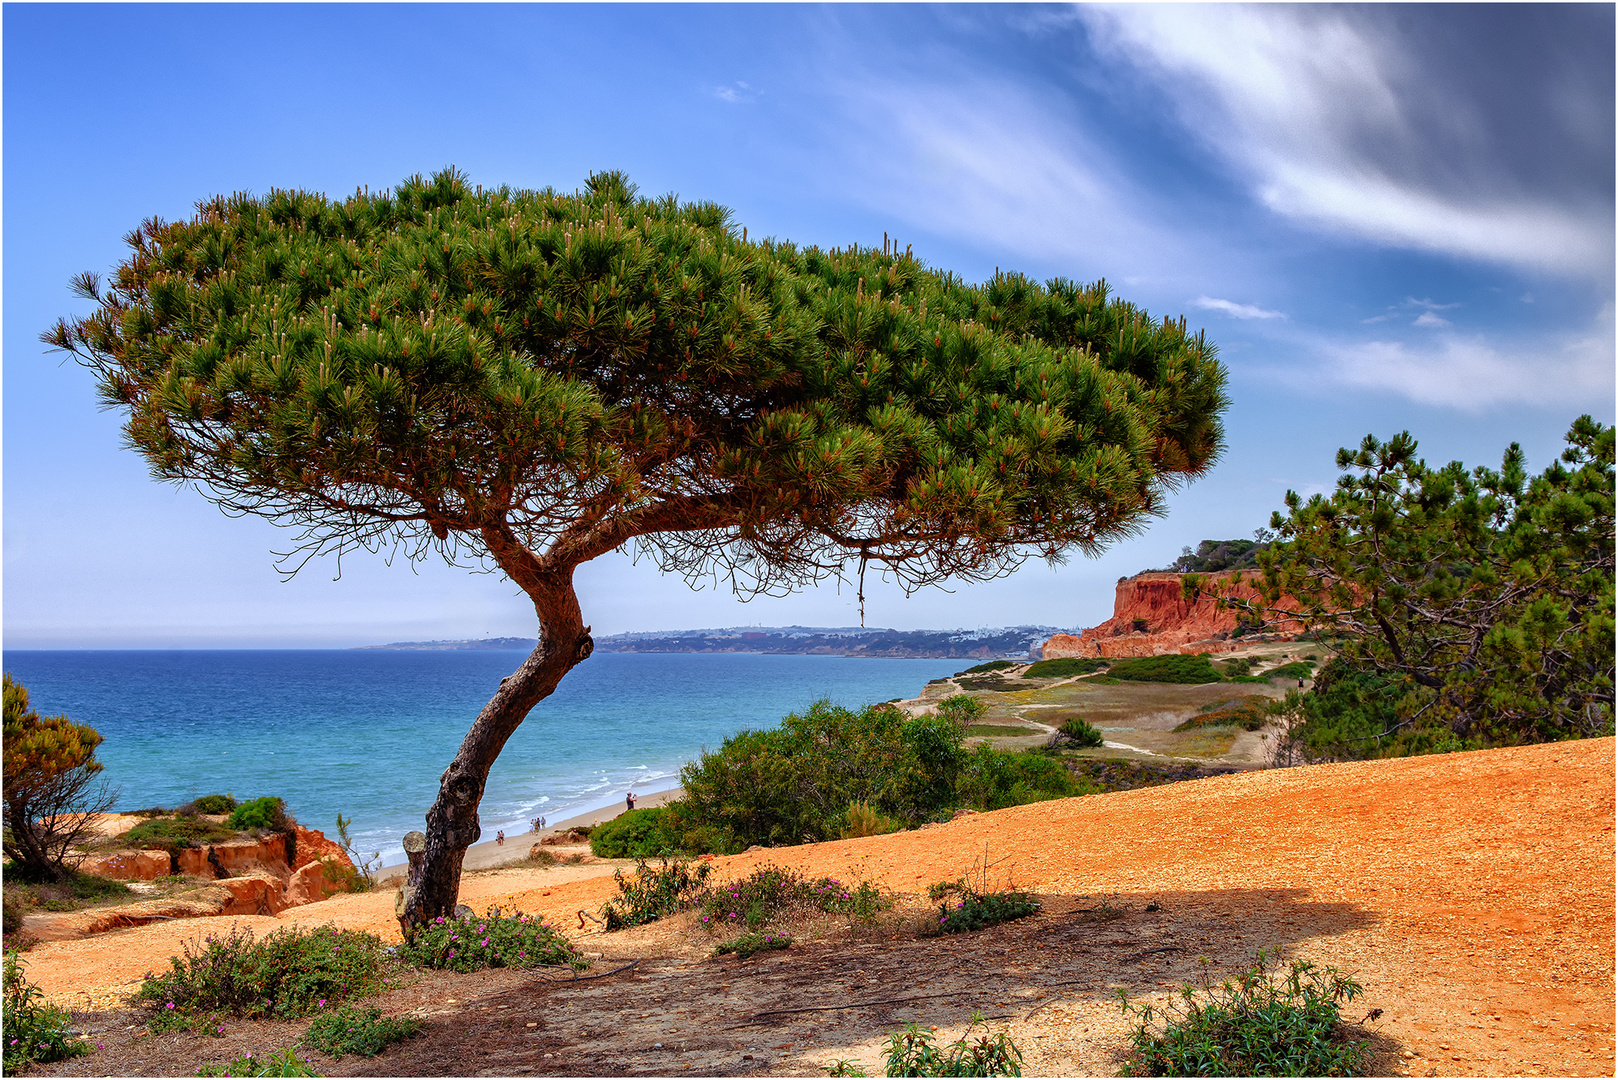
1472	894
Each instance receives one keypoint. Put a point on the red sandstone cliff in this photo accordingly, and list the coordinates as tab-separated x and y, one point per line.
1171	623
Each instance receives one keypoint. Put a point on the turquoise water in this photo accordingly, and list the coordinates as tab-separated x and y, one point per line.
367	733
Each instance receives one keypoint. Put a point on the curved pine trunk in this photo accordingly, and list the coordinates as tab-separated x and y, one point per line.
452	823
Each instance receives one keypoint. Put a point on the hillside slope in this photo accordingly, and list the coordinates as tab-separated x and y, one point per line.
1472	894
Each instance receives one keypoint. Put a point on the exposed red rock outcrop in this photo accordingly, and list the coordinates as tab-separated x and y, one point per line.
1151	616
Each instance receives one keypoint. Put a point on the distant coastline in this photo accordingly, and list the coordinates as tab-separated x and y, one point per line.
1018	641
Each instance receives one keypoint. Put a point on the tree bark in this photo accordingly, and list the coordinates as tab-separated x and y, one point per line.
452	823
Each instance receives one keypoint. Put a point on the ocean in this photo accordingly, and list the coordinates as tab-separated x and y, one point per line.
366	733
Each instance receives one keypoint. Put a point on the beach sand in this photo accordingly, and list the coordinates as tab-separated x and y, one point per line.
489	854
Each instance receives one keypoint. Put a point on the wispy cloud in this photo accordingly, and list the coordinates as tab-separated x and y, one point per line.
1336	119
1427	318
1235	310
736	92
1473	373
986	161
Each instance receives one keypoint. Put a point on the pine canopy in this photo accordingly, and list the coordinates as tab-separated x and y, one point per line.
512	374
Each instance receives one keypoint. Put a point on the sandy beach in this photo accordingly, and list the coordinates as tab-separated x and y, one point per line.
489	854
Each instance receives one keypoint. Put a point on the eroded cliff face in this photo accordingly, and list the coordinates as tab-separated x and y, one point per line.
1151	617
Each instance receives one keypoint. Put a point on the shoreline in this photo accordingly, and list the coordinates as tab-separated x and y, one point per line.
490	854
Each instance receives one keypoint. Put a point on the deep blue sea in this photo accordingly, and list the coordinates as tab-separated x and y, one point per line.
368	732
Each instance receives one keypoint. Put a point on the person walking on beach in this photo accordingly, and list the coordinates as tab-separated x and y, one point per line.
500	837
629	800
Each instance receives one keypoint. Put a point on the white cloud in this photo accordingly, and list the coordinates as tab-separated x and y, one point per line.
1427	318
984	161
736	92
1235	310
1472	373
1338	125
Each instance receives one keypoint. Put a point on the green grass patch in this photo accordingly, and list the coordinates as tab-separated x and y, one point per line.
366	1032
173	834
1063	668
1259	1024
1298	669
992	665
1000	731
1174	668
281	1062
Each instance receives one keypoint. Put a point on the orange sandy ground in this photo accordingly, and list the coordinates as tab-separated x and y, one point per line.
1478	889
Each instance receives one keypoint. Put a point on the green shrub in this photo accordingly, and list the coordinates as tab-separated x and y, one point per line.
1236	665
270	812
1173	668
637	834
1081	732
866	820
493	939
911	1053
366	1032
965	910
992	665
173	834
277	1063
1255	1025
1298	669
209	804
13	912
654	892
33	1030
288	974
1249	714
1063	668
771	893
994	779
754	941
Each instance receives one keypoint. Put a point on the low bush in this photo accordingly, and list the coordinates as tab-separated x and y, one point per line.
1172	668
1298	669
772	893
14	912
1063	668
1236	665
1081	732
276	1063
270	812
754	941
994	779
974	911
209	804
348	1030
287	974
654	892
1258	1024
964	906
638	834
1249	714
33	1030
912	1052
172	834
866	820
992	665
493	939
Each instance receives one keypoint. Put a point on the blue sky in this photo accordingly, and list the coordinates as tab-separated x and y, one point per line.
1388	217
